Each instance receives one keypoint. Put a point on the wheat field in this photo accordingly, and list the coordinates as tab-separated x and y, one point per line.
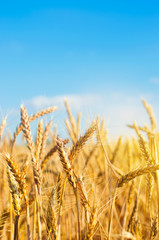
82	187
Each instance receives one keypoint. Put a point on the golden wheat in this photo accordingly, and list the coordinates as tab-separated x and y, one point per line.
54	187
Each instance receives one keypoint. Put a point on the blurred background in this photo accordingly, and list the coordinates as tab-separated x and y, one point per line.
102	55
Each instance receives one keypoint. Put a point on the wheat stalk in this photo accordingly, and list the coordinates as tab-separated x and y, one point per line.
117	147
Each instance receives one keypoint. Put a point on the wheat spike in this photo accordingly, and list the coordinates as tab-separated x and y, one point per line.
130	196
14	189
59	188
44	139
12	165
132	217
3	217
51	216
78	123
154	229
150	113
32	118
70	131
82	192
66	163
50	154
91	225
136	229
2	126
71	119
143	129
80	143
26	129
19	177
42	113
39	140
145	150
138	172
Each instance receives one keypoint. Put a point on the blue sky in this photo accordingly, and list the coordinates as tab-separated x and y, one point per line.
102	55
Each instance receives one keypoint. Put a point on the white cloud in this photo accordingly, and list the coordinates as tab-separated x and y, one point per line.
118	109
75	101
154	81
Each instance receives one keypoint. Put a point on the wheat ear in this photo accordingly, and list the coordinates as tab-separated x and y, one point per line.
19	177
128	204
78	123
3	217
39	140
66	163
2	126
50	154
70	131
91	225
143	129
16	200
138	172
44	139
60	195
14	188
145	150
51	216
71	118
154	229
32	118
26	129
146	153
81	142
22	186
150	113
72	178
